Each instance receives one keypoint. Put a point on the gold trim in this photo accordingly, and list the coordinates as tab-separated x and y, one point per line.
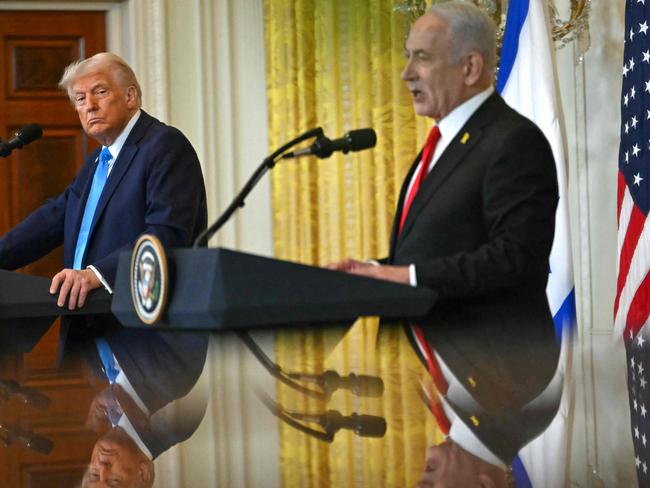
563	32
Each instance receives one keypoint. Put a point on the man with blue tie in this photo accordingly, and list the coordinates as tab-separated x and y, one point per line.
145	178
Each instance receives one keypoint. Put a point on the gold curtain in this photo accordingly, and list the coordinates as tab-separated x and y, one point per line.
336	63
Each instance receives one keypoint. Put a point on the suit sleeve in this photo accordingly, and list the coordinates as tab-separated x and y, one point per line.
175	198
518	204
37	235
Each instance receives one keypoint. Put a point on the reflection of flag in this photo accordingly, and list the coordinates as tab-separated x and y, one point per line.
527	83
632	304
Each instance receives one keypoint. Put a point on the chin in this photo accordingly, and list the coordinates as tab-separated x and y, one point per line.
423	110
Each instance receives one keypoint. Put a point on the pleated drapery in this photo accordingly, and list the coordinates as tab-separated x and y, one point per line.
336	64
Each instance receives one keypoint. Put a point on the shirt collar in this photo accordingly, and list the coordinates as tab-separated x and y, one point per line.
127	426
116	147
451	124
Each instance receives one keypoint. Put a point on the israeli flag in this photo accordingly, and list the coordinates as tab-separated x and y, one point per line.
527	82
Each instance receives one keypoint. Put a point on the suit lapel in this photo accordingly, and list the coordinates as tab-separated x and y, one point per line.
120	167
451	159
400	204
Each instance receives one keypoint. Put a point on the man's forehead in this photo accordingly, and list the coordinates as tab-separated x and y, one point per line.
88	81
427	31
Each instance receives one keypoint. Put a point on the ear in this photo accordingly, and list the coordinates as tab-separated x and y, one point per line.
473	68
146	472
485	481
131	97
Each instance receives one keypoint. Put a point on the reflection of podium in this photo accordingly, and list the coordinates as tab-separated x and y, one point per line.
27	309
224	289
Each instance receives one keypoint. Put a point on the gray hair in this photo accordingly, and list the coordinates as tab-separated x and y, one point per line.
470	29
121	72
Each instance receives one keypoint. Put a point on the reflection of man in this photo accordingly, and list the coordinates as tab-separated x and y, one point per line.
145	178
117	461
475	216
157	400
448	465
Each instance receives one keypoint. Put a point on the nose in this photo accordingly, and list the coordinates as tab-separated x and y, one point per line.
408	72
90	103
104	470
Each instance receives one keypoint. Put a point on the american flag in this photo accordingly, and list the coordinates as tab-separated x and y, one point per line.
632	304
637	383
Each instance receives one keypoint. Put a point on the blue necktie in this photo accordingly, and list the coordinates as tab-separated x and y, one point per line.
99	180
107	359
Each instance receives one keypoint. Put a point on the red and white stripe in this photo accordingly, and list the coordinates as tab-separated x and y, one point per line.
632	304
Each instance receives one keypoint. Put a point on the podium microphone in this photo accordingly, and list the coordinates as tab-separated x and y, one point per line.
332	421
355	140
358	384
21	138
28	396
28	439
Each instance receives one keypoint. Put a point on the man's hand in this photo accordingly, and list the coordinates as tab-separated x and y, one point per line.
399	274
76	284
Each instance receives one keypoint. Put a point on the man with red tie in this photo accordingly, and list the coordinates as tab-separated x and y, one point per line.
475	217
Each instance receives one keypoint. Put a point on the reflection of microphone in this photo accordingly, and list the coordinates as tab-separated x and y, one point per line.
28	439
330	381
355	140
28	395
332	421
22	137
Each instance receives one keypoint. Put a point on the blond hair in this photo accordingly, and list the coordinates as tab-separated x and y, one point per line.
111	63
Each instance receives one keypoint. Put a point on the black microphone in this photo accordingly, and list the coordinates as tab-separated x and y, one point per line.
358	384
35	442
355	140
24	136
29	396
332	421
28	439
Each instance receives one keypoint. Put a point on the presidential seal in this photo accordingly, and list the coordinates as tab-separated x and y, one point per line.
149	279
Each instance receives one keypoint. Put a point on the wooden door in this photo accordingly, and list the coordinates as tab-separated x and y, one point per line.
34	49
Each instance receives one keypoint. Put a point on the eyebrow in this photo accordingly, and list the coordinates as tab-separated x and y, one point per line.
92	88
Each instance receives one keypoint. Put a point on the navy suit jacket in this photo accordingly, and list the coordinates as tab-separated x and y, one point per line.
155	187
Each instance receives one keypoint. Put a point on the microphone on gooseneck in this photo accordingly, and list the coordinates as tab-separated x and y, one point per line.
21	138
323	147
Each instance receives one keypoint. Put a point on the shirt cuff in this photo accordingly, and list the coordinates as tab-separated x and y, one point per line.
413	279
101	278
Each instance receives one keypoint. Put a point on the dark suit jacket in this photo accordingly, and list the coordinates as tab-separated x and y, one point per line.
162	367
480	231
155	186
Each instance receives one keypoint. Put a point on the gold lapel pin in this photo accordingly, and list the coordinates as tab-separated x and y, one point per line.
465	138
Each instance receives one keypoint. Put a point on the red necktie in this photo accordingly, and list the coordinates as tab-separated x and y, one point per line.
423	170
438	379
